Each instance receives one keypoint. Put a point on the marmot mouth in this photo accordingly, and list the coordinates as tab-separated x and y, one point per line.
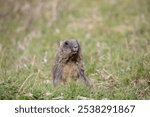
74	52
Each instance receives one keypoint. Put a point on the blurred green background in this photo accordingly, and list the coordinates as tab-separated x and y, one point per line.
115	40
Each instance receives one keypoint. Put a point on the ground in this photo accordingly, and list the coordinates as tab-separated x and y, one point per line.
115	40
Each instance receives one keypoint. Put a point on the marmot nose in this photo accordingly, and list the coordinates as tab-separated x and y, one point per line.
75	48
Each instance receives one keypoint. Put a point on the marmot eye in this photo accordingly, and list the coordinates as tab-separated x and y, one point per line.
66	43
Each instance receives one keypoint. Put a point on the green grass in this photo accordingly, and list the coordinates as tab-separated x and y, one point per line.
115	40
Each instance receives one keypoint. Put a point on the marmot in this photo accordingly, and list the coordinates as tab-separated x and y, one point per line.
69	64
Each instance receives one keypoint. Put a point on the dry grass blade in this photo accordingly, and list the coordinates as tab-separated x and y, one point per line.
25	82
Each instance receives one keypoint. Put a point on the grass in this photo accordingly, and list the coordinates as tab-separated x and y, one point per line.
115	39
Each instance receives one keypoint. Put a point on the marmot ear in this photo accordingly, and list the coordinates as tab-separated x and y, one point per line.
61	43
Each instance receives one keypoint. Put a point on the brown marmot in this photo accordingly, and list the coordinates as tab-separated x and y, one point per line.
68	64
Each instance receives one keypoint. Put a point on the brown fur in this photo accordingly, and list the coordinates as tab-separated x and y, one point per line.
70	72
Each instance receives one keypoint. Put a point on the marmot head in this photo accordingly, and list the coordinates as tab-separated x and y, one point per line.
70	49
